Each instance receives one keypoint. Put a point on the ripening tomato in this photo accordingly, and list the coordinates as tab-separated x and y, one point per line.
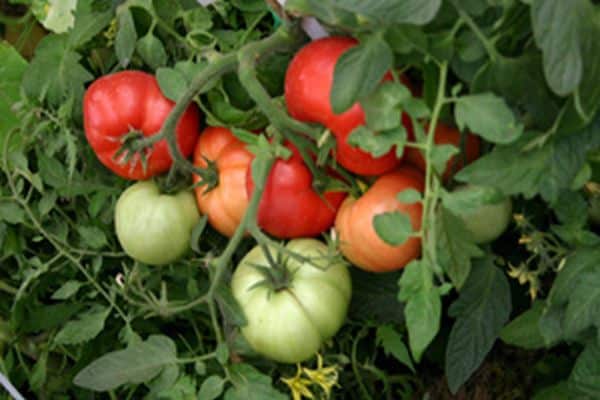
130	102
445	134
308	83
152	227
290	317
290	207
226	203
358	239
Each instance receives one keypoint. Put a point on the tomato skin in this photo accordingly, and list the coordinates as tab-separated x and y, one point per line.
358	239
445	134
488	221
289	325
289	206
116	103
308	84
155	228
225	204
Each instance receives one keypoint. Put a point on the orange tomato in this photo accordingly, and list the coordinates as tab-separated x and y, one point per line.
446	135
358	239
226	203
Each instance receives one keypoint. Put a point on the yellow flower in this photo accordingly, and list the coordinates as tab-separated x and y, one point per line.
299	386
325	377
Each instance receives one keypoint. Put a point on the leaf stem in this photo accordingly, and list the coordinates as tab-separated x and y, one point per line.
487	43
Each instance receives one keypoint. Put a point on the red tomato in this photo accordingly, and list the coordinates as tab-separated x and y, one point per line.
290	207
358	239
226	203
117	104
447	135
308	83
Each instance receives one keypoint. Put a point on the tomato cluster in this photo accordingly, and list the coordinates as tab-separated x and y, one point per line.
305	300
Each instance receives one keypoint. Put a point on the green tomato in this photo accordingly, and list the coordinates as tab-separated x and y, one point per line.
155	228
488	221
289	324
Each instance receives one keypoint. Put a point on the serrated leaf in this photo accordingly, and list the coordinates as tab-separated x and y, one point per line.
524	330
392	343
126	38
559	391
375	297
86	327
251	384
135	364
481	310
455	247
585	376
409	196
382	107
164	381
464	200
441	154
211	388
378	143
92	236
556	27
583	310
11	213
152	51
358	72
67	290
488	116
394	228
88	23
55	73
172	82
423	306
232	311
11	69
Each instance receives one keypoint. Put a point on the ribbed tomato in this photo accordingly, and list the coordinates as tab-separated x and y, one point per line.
358	239
226	203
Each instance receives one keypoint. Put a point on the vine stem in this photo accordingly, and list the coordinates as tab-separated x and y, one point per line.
487	43
431	187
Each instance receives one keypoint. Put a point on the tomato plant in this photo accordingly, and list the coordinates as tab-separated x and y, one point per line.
290	207
294	306
127	106
359	242
224	204
308	83
447	135
152	227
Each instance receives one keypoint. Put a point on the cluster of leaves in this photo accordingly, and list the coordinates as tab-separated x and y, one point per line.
521	74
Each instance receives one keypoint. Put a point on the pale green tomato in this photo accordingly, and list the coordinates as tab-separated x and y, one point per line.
487	222
155	228
289	325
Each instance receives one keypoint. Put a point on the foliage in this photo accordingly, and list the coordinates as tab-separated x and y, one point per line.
78	315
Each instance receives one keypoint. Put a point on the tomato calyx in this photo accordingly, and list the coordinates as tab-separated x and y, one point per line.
209	175
278	277
135	146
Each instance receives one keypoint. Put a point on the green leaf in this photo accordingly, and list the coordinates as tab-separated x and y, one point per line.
251	384
583	310
524	330
382	107
152	51
67	290
86	327
455	247
164	381
409	196
11	213
222	353
559	391
55	73
56	15
126	39
441	154
481	310
394	227
463	200
488	116
88	23
378	143
585	376
172	82
11	70
232	311
92	236
211	388
423	306
392	343
375	297
135	364
39	374
358	72
556	25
